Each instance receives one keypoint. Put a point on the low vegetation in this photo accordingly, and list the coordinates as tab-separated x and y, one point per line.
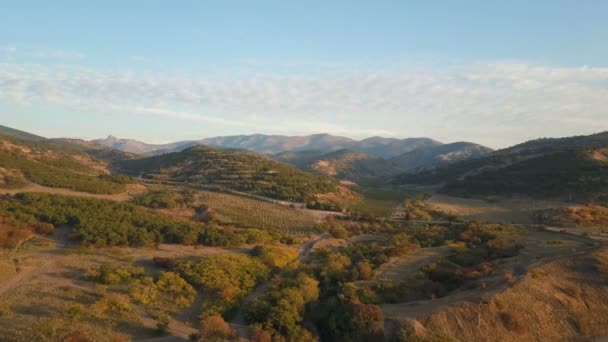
591	216
108	223
224	279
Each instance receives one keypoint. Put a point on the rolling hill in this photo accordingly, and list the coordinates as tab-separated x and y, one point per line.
56	163
575	167
238	170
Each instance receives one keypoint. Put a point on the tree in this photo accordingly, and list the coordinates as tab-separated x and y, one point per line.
336	267
364	270
367	322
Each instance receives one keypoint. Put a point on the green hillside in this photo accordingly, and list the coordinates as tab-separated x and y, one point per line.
44	163
576	173
574	168
231	169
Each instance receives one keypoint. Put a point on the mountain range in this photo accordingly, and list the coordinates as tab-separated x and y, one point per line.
271	144
327	154
574	168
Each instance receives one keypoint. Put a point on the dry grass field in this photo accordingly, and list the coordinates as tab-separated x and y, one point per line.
44	293
499	210
564	299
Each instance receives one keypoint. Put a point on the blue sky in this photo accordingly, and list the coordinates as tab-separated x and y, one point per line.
493	72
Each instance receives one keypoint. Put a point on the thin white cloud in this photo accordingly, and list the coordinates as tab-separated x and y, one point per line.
38	53
7	49
494	103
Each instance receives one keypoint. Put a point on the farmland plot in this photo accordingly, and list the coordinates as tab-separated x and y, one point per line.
248	212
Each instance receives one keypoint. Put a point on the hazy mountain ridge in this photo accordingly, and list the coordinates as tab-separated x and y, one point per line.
142	148
372	157
272	144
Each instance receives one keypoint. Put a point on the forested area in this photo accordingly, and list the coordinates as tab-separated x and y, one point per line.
577	174
108	223
552	175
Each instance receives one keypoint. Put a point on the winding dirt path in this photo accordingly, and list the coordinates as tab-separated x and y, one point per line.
420	308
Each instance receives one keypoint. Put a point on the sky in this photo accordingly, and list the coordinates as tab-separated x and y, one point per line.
491	72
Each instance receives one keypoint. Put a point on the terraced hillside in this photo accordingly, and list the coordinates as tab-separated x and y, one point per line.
231	169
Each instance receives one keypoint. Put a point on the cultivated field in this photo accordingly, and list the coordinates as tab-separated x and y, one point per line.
380	202
248	212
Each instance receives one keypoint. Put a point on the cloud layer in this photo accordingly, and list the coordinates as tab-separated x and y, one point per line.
494	103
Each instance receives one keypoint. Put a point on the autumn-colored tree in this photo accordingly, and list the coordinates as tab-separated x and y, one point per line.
367	322
364	270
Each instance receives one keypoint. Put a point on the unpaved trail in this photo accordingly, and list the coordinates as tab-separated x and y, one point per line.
176	328
26	275
307	247
397	268
238	322
66	192
50	262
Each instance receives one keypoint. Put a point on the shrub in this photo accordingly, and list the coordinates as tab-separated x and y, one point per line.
275	257
513	323
214	328
5	310
112	275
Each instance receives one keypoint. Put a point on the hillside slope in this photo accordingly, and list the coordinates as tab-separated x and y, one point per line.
574	167
563	300
298	158
51	164
351	165
15	133
231	169
436	156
